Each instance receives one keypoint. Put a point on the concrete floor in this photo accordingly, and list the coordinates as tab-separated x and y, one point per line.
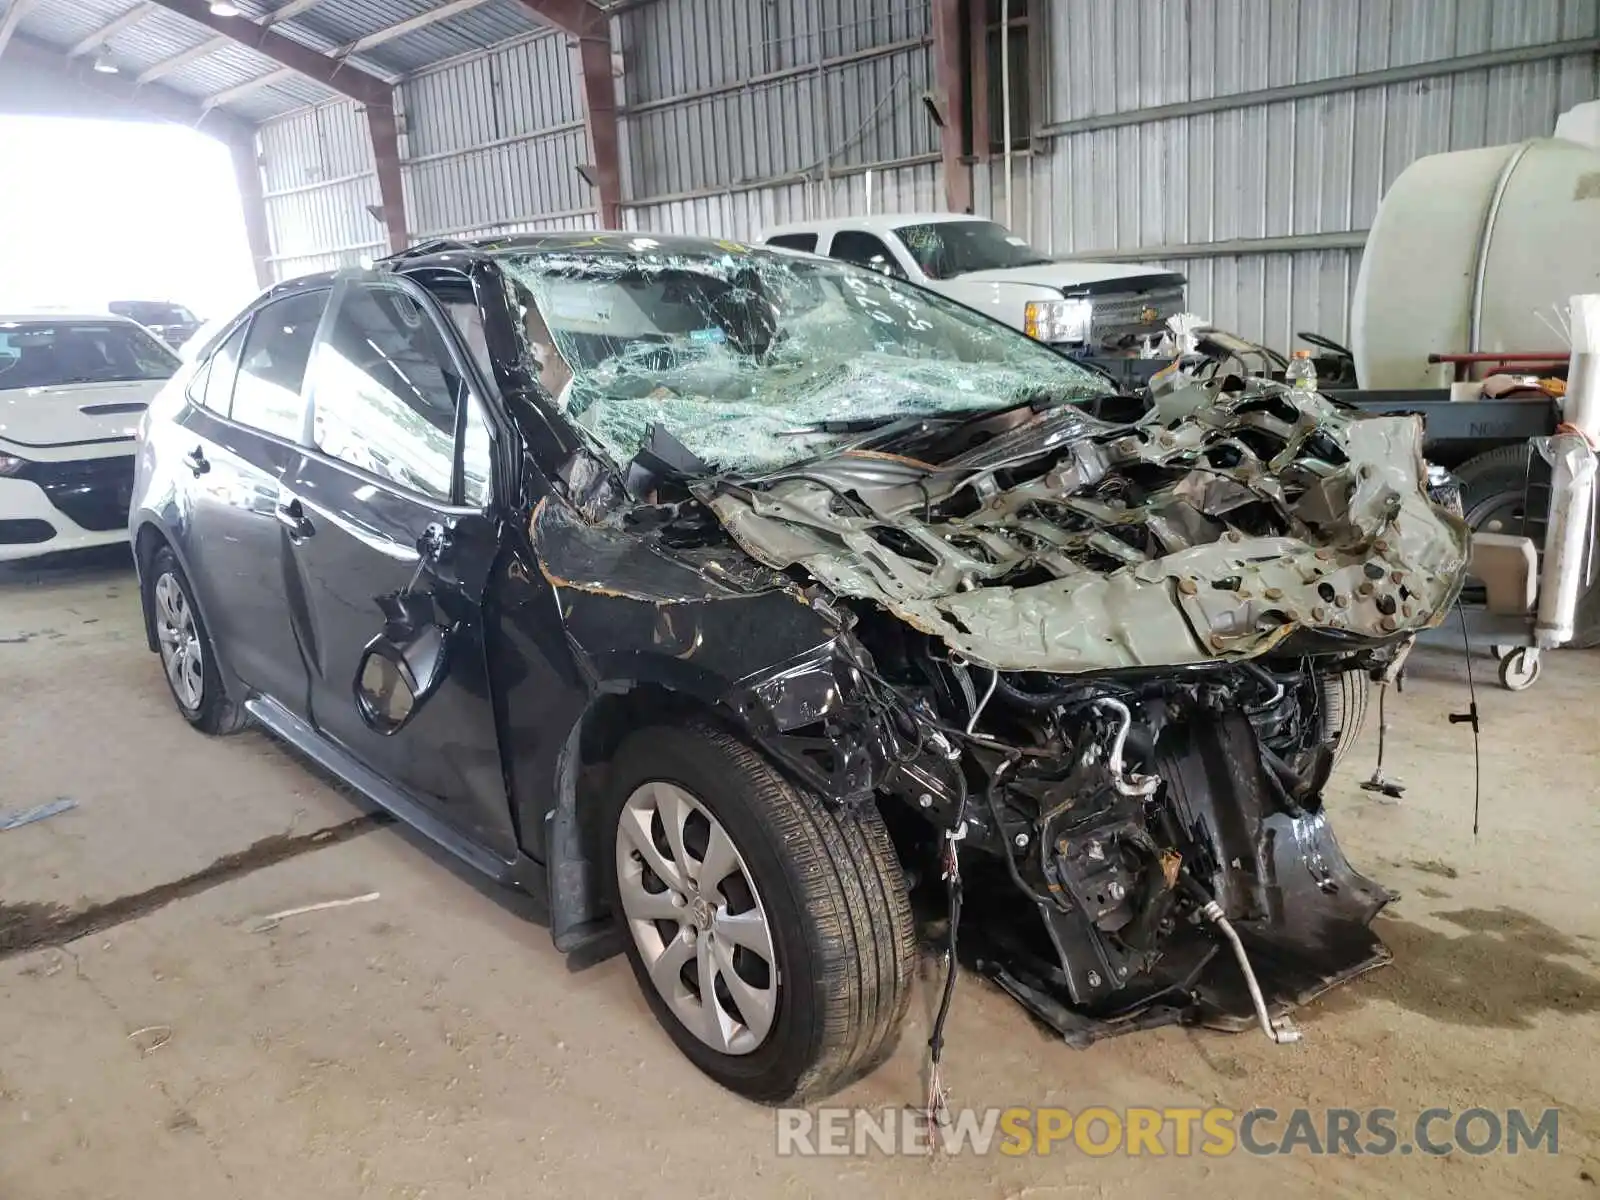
432	1043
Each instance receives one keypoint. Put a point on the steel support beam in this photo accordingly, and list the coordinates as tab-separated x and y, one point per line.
247	173
587	22
1340	240
110	30
376	96
183	58
952	84
978	79
12	18
229	95
385	132
349	81
290	11
205	49
389	32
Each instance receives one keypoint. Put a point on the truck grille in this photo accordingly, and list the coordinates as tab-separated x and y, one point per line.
94	493
1137	313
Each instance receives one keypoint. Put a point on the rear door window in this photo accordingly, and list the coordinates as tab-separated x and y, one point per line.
213	387
267	395
794	241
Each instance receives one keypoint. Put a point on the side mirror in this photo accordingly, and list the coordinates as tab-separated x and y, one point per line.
403	666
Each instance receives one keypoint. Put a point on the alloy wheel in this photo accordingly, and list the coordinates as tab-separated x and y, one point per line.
179	638
696	918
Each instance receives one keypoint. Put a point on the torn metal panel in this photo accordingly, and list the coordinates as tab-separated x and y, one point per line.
1221	533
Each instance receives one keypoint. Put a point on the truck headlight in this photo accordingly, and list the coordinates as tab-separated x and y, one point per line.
10	464
1058	320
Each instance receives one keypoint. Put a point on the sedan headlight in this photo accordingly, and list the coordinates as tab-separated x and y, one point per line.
10	464
1058	320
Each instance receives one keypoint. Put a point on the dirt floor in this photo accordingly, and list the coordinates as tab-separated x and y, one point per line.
431	1043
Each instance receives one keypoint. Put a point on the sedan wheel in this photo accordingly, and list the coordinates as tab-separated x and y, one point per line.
769	929
696	918
181	651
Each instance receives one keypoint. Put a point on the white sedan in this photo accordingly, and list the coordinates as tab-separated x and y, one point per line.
72	390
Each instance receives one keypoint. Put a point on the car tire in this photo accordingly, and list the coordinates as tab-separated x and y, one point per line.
181	636
1491	487
822	877
1344	710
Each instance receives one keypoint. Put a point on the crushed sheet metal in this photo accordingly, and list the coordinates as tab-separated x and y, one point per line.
1137	534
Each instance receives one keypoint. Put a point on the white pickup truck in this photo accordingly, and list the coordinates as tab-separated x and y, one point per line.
1081	307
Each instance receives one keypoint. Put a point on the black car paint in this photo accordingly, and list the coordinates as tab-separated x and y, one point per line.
551	614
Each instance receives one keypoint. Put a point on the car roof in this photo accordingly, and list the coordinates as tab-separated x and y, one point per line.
878	223
450	252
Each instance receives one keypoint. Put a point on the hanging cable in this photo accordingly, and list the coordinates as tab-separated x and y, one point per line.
1381	783
994	680
1470	717
938	1109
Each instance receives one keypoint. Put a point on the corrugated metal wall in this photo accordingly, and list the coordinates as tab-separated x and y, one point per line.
491	145
1308	169
740	114
318	179
737	114
726	94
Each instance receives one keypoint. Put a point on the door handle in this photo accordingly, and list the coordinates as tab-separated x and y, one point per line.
293	518
196	460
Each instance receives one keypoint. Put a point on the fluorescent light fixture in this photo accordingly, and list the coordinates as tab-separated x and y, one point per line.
104	65
221	8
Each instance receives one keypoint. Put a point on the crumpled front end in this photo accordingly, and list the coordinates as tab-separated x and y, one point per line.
1247	524
1107	671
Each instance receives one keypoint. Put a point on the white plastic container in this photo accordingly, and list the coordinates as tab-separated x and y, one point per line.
1468	249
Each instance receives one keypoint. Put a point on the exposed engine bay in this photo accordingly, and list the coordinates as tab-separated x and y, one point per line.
1093	658
1110	667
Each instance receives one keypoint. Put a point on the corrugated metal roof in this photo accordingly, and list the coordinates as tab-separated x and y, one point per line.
488	24
159	34
157	37
64	24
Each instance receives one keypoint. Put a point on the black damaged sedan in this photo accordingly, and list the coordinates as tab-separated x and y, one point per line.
739	603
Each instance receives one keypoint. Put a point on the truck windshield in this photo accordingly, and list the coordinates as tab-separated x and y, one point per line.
754	360
49	353
944	249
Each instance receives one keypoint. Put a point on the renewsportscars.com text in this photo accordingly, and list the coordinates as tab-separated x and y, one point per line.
1180	1132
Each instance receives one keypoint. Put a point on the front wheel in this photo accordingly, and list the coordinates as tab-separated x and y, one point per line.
770	931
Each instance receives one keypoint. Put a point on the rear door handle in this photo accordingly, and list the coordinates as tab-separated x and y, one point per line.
196	459
292	516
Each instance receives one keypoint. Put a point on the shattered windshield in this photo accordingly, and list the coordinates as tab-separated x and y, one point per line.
753	360
945	249
48	353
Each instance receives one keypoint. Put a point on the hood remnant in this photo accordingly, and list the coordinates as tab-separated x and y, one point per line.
1071	546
